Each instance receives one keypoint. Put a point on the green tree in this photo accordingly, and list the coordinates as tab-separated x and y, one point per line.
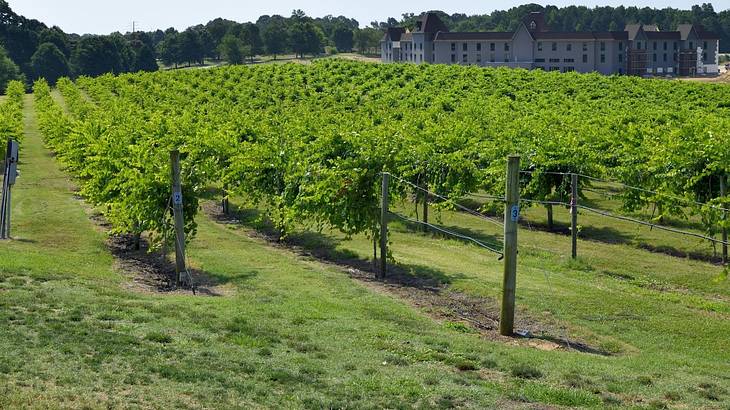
367	40
9	71
50	63
343	38
306	38
275	36
231	49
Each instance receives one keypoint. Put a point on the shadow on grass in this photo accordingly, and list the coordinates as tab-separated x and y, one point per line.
612	236
154	272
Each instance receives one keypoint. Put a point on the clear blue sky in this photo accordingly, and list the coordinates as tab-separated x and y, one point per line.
105	16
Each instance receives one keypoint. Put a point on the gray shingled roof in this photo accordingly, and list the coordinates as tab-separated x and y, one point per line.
663	35
483	35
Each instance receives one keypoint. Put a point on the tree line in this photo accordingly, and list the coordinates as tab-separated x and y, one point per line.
32	50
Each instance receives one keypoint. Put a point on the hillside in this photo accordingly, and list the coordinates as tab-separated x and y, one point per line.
288	312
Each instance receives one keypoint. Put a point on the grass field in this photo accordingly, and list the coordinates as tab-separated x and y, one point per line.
288	330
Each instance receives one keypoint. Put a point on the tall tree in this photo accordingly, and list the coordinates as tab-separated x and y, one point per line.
275	36
343	38
231	48
9	71
50	63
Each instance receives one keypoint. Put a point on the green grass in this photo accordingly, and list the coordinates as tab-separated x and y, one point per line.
295	333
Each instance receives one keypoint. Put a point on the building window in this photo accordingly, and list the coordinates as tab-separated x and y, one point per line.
420	46
464	47
638	45
554	60
539	46
479	46
620	58
568	69
506	58
492	47
555	46
533	26
620	46
554	68
479	58
704	45
453	58
665	46
655	45
691	45
654	58
506	46
453	46
585	58
569	47
464	58
569	60
585	46
539	60
603	58
665	57
603	46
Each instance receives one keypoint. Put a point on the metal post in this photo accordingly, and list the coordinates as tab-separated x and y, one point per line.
724	218
3	203
511	217
384	226
177	207
574	214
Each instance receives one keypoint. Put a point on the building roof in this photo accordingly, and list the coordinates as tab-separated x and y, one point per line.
430	23
705	34
611	35
685	30
466	36
407	36
632	30
393	33
663	35
567	35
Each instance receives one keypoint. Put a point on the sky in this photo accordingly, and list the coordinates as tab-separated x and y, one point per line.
104	16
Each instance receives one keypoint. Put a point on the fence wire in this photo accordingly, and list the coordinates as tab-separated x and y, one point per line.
451	201
448	232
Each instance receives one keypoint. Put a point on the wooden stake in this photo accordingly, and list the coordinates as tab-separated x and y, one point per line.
384	226
724	218
511	217
177	208
574	214
425	207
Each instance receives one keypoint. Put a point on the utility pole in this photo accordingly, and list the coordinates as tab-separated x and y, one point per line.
511	217
177	207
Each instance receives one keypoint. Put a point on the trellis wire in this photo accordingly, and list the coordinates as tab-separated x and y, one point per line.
448	232
461	207
661	227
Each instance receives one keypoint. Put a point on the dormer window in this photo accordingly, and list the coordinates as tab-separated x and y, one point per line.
533	26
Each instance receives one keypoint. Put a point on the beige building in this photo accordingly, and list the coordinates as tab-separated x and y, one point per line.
638	50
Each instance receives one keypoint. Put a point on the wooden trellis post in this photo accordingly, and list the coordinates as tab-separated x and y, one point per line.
511	218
